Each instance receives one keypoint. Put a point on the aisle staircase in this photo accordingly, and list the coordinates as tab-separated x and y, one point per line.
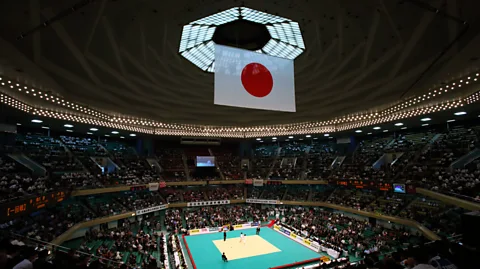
219	169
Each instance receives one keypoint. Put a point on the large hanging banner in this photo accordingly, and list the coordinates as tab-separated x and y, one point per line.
151	209
209	203
153	186
258	182
262	201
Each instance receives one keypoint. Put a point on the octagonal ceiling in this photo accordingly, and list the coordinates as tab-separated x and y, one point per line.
240	27
122	56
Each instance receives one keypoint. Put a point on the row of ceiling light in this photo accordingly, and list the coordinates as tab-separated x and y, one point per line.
398	124
71	126
212	129
292	137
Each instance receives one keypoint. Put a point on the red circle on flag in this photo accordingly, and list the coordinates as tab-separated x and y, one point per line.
257	80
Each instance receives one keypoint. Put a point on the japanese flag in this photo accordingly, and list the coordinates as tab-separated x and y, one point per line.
248	79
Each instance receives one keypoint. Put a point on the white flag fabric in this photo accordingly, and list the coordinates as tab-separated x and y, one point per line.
253	80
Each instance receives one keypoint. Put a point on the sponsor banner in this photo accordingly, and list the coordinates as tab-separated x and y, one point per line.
194	231
255	223
285	231
150	209
153	186
243	226
299	239
209	203
325	259
262	201
162	184
315	245
333	253
249	181
219	229
308	243
305	233
258	182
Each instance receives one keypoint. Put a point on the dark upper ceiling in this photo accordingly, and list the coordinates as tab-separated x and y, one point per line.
122	56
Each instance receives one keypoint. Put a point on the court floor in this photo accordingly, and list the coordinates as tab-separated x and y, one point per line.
267	250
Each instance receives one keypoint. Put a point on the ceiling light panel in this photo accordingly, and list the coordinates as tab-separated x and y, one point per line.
259	17
287	31
196	43
202	56
195	35
220	18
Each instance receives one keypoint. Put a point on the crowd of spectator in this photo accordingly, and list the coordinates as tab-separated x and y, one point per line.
343	233
346	234
16	182
173	220
230	165
171	161
352	198
216	216
424	161
48	152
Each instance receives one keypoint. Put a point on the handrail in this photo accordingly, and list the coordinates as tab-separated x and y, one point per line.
406	222
120	188
462	203
450	199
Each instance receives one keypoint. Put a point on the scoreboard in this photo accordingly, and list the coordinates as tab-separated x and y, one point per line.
31	204
366	184
363	184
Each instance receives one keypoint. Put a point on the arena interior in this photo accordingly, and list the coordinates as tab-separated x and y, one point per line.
123	145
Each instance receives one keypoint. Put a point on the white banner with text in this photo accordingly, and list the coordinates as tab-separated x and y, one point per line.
151	209
209	203
263	201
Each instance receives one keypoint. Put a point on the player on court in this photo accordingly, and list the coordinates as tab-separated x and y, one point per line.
224	236
224	257
243	238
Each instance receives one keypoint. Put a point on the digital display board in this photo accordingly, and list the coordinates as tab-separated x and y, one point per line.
31	204
363	184
400	188
205	161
